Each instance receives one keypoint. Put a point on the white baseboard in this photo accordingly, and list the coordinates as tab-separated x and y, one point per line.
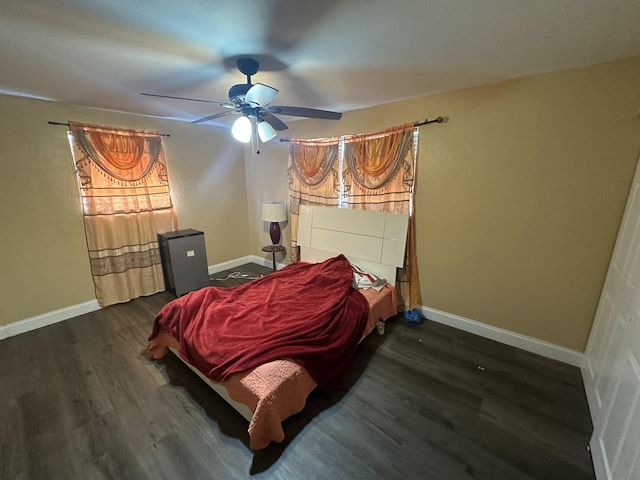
598	458
507	337
236	262
55	316
219	267
49	318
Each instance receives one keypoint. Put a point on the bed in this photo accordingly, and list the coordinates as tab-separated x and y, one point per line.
266	345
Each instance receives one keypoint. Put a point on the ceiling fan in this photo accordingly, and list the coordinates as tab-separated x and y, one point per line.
253	103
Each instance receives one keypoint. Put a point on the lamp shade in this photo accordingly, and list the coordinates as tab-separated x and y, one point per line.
241	129
273	211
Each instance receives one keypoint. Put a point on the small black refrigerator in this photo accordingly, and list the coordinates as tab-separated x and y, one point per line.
184	261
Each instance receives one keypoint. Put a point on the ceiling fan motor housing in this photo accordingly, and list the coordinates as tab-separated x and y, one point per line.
248	66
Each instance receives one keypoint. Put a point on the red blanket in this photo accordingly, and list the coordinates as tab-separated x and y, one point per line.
306	312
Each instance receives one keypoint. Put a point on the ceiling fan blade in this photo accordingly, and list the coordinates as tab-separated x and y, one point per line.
260	95
274	121
305	112
214	116
185	98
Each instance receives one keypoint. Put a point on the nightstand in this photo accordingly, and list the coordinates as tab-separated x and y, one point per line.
273	249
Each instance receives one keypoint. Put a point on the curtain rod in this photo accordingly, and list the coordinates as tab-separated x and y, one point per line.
60	123
426	121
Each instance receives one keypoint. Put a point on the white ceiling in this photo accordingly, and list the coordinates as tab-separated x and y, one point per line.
330	54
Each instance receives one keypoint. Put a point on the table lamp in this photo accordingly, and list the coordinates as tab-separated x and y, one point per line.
274	212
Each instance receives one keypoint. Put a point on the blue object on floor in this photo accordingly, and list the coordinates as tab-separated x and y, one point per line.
413	316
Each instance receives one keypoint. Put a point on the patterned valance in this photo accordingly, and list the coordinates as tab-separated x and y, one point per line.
311	160
128	156
374	159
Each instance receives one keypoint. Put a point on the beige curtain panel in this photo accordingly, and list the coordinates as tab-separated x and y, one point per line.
379	175
313	179
126	202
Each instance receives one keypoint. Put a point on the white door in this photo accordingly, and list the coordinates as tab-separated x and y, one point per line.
611	364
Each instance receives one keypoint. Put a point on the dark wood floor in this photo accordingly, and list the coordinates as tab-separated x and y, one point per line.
80	401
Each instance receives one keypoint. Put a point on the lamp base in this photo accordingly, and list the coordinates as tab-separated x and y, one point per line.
274	231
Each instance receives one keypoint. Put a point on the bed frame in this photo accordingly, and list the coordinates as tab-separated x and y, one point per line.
241	408
375	241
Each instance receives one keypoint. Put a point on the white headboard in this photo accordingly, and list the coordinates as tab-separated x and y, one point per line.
375	241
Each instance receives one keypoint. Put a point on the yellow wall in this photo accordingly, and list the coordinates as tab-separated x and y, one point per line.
43	255
519	195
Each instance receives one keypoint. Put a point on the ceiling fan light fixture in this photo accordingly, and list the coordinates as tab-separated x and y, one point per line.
265	131
241	129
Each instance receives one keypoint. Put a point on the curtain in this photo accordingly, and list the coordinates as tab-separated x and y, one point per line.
126	202
379	175
313	179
